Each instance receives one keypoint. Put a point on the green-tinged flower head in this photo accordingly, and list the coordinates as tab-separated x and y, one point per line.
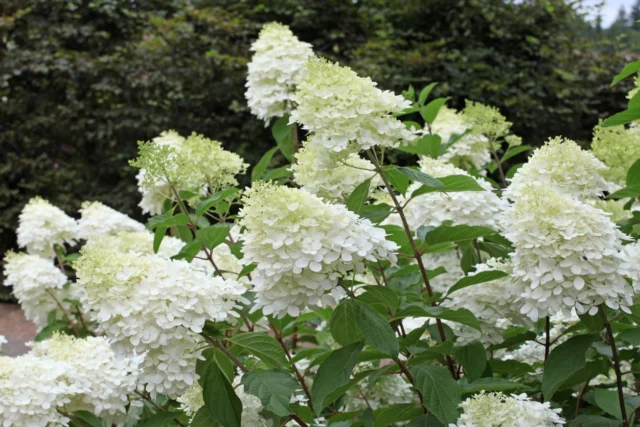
636	87
486	120
618	148
615	208
345	111
197	162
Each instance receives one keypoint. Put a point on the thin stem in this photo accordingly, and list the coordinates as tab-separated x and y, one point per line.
155	405
414	248
616	367
408	375
295	138
547	342
364	397
580	394
222	348
297	419
498	163
64	312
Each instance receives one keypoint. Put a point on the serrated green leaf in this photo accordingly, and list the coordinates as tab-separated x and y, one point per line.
451	184
440	392
282	132
420	177
392	414
608	401
274	388
426	145
473	358
263	346
461	315
457	233
212	236
565	360
209	202
430	111
482	277
343	323
376	330
398	181
220	399
214	355
491	384
356	200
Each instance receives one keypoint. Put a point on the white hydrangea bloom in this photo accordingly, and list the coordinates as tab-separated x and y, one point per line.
145	303
136	242
42	225
491	302
463	207
153	198
450	262
91	365
567	254
562	165
37	283
302	245
32	390
497	409
191	401
98	219
274	71
341	108
470	151
321	172
388	390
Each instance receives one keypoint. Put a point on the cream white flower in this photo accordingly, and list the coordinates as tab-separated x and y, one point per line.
98	219
43	225
342	109
91	365
274	71
37	284
302	245
321	172
470	151
567	254
463	207
147	304
386	391
562	165
497	409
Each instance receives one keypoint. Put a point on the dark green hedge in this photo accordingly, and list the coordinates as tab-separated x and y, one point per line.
81	81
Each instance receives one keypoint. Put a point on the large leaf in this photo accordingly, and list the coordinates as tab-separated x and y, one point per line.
622	118
593	421
283	133
158	420
376	330
633	174
426	145
343	323
389	415
274	388
430	111
420	177
628	70
356	199
457	233
220	399
424	93
514	151
473	358
259	169
212	236
263	346
632	191
565	360
209	202
461	315
398	180
451	184
440	392
482	277
214	355
608	401
333	373
491	384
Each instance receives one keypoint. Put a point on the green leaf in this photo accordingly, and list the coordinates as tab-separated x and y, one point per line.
209	202
214	355
90	419
633	174
259	169
420	177
564	360
356	199
220	399
451	184
278	173
343	323
274	388
440	392
425	421
461	315
593	421
424	93
212	236
482	277
158	420
430	111
594	324
282	132
514	151
263	346
622	118
491	384
158	236
628	70
473	358
179	219
202	419
183	233
386	296
608	401
457	233
426	145
375	213
189	251
398	181
632	336
632	191
333	373
376	330
510	367
392	414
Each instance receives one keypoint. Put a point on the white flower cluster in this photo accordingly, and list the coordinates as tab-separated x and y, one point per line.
471	150
68	374
42	226
147	304
342	109
98	219
154	197
463	207
105	380
192	400
320	172
274	70
37	284
302	245
567	254
491	302
388	390
497	409
562	165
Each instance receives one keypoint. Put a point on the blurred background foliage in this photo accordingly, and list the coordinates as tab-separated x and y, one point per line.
81	81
